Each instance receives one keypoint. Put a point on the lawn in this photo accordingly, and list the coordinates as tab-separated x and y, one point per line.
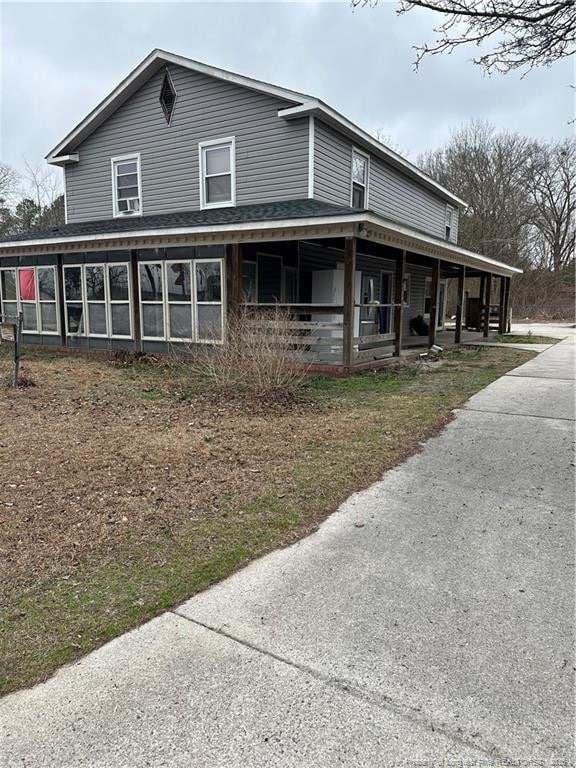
126	489
524	339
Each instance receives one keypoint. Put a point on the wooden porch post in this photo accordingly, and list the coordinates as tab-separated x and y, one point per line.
135	301
501	320
399	301
481	300
233	277
434	302
349	281
487	306
460	304
507	329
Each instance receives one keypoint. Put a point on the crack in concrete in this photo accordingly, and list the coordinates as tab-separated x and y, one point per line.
532	376
380	700
509	413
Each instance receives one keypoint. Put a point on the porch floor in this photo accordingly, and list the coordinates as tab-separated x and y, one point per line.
443	339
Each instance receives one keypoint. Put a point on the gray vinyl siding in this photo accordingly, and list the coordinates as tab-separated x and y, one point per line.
332	165
415	306
390	193
271	153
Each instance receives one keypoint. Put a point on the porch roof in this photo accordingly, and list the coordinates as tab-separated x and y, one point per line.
284	220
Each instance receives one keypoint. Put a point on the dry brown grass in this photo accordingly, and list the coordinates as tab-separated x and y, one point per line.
124	489
258	355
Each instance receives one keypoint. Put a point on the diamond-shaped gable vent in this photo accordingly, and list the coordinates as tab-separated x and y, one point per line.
167	97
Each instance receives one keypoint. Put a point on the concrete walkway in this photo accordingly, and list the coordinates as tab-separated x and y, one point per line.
428	622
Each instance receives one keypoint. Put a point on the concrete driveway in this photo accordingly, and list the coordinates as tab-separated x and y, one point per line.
428	622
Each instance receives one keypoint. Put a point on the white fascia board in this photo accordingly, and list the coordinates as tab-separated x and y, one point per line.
449	252
151	64
62	160
329	115
180	231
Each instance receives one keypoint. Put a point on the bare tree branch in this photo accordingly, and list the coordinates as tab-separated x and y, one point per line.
525	33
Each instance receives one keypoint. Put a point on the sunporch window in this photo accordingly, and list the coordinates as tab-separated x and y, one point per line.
32	291
127	186
97	301
182	301
217	173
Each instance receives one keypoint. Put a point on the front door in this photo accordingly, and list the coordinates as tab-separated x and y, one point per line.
368	325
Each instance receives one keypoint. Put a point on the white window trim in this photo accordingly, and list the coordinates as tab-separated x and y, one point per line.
449	214
37	301
439	310
167	302
221	303
74	301
162	302
193	303
229	141
408	278
108	302
9	301
123	159
356	151
88	301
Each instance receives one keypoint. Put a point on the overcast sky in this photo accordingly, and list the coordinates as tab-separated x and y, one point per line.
58	60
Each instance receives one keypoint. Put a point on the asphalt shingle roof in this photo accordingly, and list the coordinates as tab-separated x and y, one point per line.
241	214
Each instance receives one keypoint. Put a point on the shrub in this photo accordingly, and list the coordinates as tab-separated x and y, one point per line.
259	354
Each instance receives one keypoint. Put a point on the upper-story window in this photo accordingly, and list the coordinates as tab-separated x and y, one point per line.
127	185
359	197
449	218
217	173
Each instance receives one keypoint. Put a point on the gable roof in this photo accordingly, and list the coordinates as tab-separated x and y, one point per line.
143	72
301	105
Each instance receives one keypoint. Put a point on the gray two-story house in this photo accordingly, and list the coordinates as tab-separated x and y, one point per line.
191	190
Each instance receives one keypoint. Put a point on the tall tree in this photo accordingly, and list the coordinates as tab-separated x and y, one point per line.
525	33
490	171
552	180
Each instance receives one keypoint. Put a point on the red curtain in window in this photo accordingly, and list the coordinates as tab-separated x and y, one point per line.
27	285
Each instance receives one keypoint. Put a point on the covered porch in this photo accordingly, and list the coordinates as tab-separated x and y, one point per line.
354	303
355	289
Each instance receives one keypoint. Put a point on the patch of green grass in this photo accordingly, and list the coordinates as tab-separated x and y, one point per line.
527	339
375	420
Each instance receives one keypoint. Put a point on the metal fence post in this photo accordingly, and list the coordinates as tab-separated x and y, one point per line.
17	347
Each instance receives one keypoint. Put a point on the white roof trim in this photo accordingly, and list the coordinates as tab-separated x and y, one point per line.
62	160
329	115
448	251
152	63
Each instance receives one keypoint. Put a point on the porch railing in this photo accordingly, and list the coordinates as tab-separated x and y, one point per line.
317	339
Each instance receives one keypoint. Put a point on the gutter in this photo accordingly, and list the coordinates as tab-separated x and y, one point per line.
360	224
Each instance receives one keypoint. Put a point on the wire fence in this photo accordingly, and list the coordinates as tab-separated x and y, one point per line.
10	350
